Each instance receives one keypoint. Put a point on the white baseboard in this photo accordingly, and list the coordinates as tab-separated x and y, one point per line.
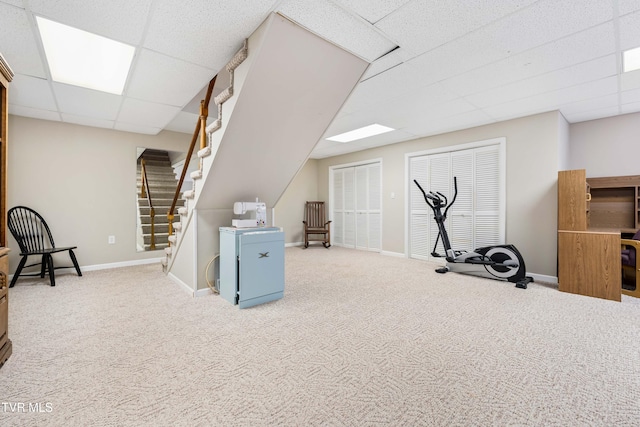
182	284
543	278
289	245
203	292
394	254
96	267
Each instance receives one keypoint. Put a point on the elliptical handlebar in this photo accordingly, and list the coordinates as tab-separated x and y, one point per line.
439	199
455	195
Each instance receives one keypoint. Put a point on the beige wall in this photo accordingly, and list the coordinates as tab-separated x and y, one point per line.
533	145
606	147
289	211
83	181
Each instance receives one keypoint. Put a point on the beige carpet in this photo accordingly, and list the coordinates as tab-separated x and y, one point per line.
359	339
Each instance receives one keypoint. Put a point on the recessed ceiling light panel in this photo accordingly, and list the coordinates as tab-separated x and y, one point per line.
80	58
631	60
364	132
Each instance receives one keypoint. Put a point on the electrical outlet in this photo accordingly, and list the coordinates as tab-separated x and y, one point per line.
112	240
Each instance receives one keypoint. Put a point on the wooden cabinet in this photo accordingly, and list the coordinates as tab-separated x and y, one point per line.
5	342
6	75
588	256
614	203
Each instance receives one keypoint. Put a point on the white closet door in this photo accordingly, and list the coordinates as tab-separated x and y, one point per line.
337	223
460	216
488	229
439	181
349	208
420	216
357	215
374	215
476	217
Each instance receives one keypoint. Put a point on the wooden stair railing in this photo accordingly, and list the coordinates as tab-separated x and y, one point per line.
200	130
146	193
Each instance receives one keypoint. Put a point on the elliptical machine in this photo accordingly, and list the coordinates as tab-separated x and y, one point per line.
501	262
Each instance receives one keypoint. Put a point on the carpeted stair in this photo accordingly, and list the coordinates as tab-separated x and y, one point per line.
162	185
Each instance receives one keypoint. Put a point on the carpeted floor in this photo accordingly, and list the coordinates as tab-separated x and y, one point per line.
359	339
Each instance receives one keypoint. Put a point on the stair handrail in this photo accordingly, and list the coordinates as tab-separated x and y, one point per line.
200	125
146	193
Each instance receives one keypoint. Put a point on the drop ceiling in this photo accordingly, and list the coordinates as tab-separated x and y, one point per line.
436	66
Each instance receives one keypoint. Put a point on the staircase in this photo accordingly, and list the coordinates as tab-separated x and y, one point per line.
275	99
162	187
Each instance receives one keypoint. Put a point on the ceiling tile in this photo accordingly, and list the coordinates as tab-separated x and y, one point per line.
19	3
213	31
630	108
575	49
384	139
630	80
551	100
121	20
432	125
373	10
570	76
627	6
127	127
146	114
336	25
34	113
630	96
31	92
184	122
630	31
592	115
575	108
383	64
18	43
86	102
153	69
87	121
424	25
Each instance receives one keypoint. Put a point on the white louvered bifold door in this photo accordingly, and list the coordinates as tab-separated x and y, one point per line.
358	215
337	235
488	229
474	220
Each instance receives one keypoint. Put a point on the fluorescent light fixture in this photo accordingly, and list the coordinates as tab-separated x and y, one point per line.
84	59
364	132
631	60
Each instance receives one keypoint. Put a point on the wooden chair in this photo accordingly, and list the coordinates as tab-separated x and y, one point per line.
315	224
631	266
34	238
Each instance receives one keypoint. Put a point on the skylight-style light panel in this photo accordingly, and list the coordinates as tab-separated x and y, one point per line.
80	58
631	60
363	132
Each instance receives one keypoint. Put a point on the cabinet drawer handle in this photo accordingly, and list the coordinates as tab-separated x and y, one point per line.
588	197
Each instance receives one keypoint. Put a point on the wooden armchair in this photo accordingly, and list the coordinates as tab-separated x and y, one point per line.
315	224
35	239
631	266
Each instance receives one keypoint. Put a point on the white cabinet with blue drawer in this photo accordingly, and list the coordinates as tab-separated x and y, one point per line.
251	265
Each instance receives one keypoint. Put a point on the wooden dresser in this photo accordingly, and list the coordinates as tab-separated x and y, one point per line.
588	257
5	342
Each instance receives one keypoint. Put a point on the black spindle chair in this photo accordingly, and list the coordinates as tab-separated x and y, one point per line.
34	238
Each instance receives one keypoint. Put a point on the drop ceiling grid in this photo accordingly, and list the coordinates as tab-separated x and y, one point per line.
83	102
19	3
591	115
213	32
87	121
142	113
548	82
153	70
372	10
588	105
121	20
19	46
338	26
31	92
630	31
577	48
421	26
35	113
628	6
451	123
551	100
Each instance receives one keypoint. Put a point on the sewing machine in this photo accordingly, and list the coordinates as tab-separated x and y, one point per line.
257	210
